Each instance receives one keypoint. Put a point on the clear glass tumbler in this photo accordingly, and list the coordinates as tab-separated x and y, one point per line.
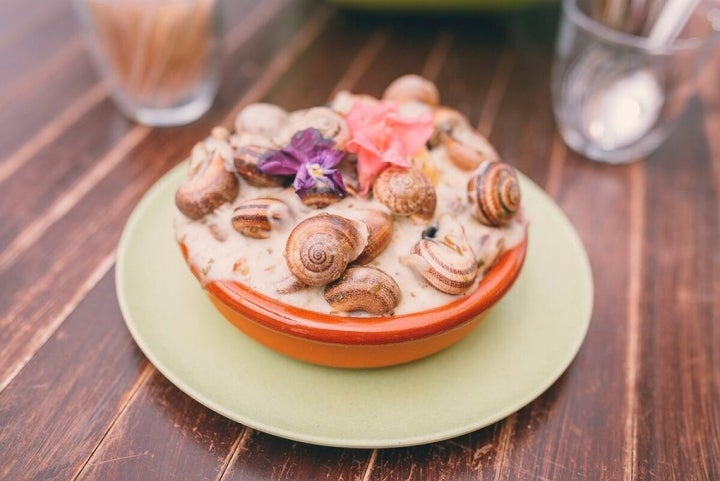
618	95
161	58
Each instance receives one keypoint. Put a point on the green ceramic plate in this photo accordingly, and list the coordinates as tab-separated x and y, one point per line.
523	346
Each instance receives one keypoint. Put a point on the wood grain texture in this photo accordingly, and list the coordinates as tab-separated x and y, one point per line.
34	295
78	400
680	350
52	415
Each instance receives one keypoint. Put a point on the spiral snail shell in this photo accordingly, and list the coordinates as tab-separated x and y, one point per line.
406	192
494	193
467	148
444	258
320	247
380	230
363	288
257	217
207	186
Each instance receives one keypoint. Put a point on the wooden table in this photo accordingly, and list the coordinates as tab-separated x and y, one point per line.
78	400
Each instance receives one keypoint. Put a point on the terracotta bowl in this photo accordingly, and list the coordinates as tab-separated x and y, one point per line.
361	342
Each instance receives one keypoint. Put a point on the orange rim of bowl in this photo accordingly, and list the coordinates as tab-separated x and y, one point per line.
338	329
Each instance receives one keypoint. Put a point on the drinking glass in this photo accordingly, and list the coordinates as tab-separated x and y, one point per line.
161	58
618	95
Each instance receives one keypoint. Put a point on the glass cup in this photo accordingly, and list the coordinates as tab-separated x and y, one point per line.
161	58
618	95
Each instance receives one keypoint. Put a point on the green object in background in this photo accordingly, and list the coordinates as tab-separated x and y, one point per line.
438	5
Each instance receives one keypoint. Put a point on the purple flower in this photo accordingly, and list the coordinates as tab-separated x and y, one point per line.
311	158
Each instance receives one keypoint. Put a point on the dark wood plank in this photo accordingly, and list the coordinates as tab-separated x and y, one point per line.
30	292
53	414
273	459
579	432
172	434
528	90
36	99
24	49
678	380
406	51
471	66
16	17
46	97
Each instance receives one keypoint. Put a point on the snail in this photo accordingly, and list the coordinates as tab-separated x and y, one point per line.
248	149
207	186
444	258
257	217
321	195
406	192
467	148
330	124
445	120
288	285
380	230
363	288
320	247
494	193
261	118
410	88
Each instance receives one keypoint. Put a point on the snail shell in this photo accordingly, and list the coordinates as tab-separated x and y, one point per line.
410	88
494	193
406	192
444	258
380	230
363	288
261	118
321	195
248	151
330	124
257	217
467	148
445	120
320	247
207	186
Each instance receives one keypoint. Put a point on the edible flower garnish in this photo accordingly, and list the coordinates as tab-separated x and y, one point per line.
381	136
311	158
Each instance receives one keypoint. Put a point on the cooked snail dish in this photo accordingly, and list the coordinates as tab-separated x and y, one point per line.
364	207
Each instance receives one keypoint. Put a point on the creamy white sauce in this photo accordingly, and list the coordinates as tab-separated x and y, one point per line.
260	263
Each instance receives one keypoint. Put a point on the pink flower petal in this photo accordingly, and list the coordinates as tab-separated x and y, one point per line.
380	137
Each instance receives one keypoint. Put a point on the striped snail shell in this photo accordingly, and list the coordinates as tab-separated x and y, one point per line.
406	192
207	186
248	149
380	230
444	258
363	288
467	148
494	193
257	217
321	195
319	248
